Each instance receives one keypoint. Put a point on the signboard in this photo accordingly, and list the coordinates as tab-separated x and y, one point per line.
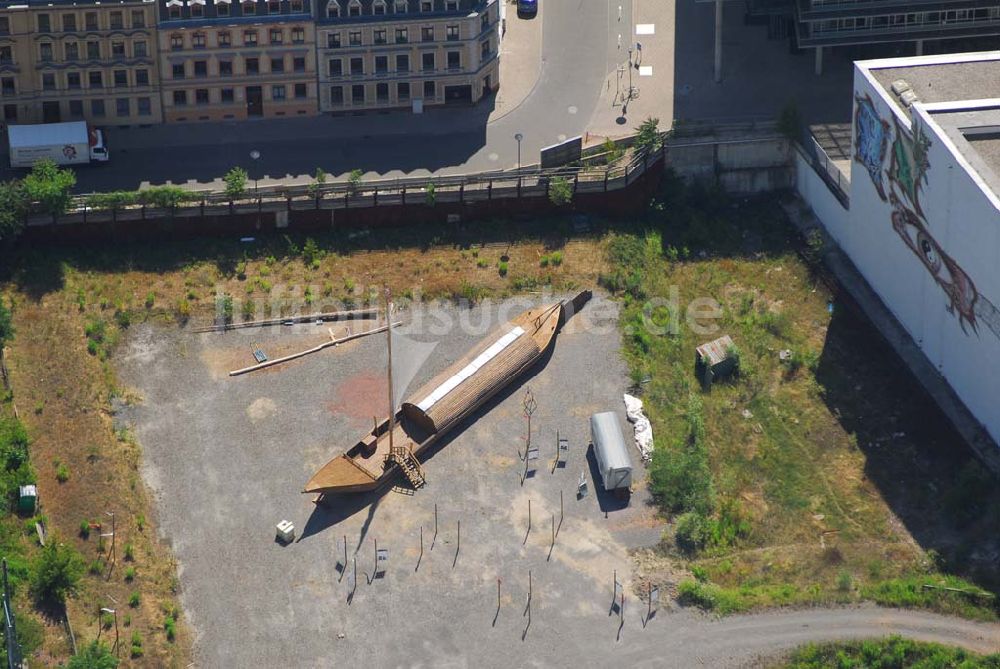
533	453
563	153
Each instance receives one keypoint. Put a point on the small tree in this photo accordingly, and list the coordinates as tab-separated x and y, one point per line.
236	183
49	187
560	191
354	181
320	179
13	207
648	135
57	573
431	194
94	655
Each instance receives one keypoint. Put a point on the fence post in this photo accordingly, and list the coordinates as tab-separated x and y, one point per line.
347	202
606	171
461	193
203	207
85	213
403	193
375	198
576	182
489	190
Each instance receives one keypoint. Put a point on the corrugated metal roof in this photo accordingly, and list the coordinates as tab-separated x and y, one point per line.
606	432
716	351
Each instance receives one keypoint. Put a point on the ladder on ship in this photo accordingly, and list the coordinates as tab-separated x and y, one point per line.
408	462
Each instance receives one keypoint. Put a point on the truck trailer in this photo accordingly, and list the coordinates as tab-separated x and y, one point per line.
611	453
72	143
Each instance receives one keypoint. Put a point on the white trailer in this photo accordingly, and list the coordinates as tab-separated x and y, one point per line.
72	143
611	452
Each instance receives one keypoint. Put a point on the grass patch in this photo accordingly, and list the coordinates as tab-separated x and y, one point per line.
890	653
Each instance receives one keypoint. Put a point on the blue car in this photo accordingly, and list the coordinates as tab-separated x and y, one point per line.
527	7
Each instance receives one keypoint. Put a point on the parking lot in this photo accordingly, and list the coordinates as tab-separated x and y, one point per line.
227	457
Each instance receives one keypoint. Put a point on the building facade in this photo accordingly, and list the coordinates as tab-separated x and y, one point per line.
375	54
233	60
87	60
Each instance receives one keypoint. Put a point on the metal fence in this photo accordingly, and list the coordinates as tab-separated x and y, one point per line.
831	174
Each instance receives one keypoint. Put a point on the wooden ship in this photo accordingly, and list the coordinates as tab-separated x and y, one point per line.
395	444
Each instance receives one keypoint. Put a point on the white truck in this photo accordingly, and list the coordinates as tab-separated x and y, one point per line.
73	143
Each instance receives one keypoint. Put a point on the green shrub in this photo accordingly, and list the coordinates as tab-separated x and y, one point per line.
62	473
16	466
845	582
6	324
95	655
56	574
84	529
224	308
134	599
236	183
556	258
502	268
560	191
893	652
354	181
648	135
129	574
49	187
170	626
150	299
692	531
129	552
311	253
165	197
96	567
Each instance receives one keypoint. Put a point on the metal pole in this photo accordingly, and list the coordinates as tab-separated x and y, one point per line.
718	41
388	332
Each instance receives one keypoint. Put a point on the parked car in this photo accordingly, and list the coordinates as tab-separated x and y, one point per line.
527	8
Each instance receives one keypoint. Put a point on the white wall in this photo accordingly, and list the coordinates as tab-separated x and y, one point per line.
816	192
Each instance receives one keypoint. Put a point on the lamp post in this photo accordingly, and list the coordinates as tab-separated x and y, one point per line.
255	156
518	137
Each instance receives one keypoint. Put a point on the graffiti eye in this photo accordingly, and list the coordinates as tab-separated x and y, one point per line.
929	252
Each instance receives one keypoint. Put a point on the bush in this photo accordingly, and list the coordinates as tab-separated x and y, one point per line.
6	324
560	191
112	201
354	181
648	135
680	477
13	208
224	308
430	196
16	467
170	627
502	268
150	299
311	252
134	599
129	552
890	653
56	574
49	188
95	655
692	532
129	574
62	473
236	183
84	529
165	197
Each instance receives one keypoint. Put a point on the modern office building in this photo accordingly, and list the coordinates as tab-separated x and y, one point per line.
818	24
233	59
922	220
406	53
79	60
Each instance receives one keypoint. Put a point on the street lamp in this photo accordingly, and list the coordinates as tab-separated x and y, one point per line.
255	156
518	137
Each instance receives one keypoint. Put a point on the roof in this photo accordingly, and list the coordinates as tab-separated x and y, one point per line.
716	351
50	134
606	432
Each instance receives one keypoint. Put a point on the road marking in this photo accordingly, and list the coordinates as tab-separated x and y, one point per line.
572	109
645	70
645	29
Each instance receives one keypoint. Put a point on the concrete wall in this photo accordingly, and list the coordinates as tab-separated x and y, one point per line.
742	167
825	205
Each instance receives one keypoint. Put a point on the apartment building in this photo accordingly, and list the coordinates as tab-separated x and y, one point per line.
79	60
237	59
380	54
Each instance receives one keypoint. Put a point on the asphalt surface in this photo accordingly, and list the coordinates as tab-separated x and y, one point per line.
226	457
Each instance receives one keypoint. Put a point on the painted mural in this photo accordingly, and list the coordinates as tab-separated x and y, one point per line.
906	171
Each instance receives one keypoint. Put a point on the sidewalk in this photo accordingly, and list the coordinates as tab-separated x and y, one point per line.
520	60
652	73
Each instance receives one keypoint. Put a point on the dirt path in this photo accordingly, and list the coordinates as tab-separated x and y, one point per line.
746	640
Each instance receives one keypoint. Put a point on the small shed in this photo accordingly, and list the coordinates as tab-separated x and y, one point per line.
611	452
715	360
27	499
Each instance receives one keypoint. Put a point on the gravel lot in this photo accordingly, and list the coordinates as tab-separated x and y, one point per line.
227	457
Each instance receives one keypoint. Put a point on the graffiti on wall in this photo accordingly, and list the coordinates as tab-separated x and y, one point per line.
906	171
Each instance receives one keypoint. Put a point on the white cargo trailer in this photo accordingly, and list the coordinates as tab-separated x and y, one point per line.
611	452
72	143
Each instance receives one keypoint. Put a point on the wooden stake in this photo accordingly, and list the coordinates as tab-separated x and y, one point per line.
388	330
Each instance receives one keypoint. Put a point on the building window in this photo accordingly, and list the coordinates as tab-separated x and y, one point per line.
336	95
278	64
250	38
117	21
7	86
248	8
278	92
93	50
180	98
122	107
333	9
273	7
402	36
4	25
224	39
197	10
354	38
95	80
201	96
426	6
427	34
299	64
427	62
73	81
253	66
333	40
43	23
296	6
69	23
358	94
90	20
402	62
198	40
176	42
121	78
142	77
45	51
118	49
177	70
144	106
454	60
484	22
201	68
72	51
139	49
276	35
354	8
335	67
357	66
76	108
403	91
225	68
429	89
401	6
378	8
7	55
379	36
451	33
138	21
222	8
227	95
298	35
451	5
381	92
174	12
97	108
484	49
48	81
381	64
300	91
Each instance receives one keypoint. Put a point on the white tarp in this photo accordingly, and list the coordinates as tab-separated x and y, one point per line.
643	429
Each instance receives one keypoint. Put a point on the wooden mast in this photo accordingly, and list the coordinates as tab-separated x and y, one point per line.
388	332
